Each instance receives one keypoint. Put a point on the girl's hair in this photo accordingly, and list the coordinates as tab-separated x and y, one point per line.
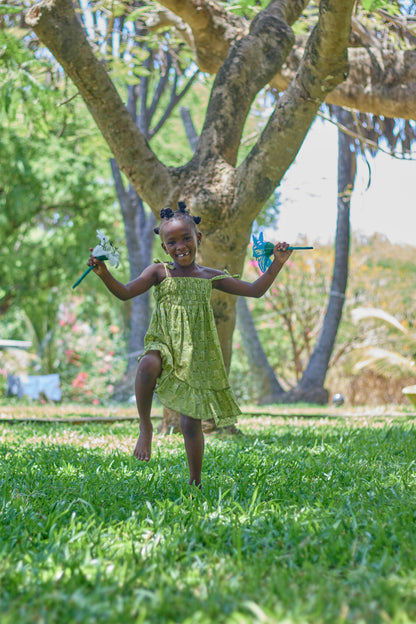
181	213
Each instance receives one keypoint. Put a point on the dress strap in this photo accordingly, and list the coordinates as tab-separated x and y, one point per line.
165	264
223	276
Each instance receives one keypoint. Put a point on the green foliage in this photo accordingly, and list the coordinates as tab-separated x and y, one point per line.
89	347
392	264
54	194
51	204
26	85
242	381
320	531
245	8
9	9
374	5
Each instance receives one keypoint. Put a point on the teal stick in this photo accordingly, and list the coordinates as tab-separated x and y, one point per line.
293	248
90	268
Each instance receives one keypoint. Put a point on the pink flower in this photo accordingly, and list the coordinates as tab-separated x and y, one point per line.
95	402
70	356
80	380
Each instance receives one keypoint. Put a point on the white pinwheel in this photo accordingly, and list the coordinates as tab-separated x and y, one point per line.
106	248
104	251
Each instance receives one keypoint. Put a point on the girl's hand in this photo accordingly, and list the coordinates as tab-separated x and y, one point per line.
281	252
99	267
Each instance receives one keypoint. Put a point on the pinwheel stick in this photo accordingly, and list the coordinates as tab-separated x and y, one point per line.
268	248
90	268
293	248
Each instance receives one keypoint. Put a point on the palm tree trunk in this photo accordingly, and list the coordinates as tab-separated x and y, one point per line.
311	386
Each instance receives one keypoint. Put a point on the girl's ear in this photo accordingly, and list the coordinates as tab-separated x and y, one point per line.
199	237
164	249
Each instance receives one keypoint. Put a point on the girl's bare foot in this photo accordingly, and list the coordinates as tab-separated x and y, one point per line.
143	448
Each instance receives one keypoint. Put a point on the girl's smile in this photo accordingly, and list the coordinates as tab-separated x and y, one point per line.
180	241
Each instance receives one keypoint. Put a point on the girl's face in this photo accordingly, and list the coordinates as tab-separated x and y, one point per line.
180	240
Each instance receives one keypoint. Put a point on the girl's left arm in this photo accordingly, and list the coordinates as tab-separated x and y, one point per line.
257	288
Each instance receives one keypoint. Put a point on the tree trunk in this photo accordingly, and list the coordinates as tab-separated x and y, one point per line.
138	228
269	389
138	225
311	386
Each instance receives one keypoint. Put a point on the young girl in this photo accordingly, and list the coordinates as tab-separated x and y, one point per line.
182	359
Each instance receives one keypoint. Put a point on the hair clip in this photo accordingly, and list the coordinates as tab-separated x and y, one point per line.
166	213
182	209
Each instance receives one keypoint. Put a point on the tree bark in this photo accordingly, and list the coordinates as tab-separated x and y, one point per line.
269	389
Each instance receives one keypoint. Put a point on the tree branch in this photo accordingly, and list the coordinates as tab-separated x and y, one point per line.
174	100
55	23
324	65
161	86
382	82
250	65
371	87
213	29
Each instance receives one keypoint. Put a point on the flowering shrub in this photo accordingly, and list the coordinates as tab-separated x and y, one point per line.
89	353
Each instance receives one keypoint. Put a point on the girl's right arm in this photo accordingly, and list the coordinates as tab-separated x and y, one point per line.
148	278
262	283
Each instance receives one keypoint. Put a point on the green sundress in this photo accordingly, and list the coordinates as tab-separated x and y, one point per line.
193	380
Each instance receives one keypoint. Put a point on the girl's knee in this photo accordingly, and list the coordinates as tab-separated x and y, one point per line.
150	367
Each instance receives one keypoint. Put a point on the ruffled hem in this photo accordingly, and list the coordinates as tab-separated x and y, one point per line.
201	403
217	405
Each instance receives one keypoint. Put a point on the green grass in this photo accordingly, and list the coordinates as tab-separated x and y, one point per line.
307	524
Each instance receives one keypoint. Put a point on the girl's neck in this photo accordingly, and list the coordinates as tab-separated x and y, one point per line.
187	271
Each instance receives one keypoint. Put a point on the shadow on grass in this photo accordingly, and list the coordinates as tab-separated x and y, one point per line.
311	524
293	465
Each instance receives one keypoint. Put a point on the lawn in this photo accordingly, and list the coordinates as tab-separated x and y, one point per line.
301	519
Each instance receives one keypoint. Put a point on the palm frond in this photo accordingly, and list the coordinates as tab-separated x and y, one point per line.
359	314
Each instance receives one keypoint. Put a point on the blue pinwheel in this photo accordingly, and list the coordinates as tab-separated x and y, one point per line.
263	250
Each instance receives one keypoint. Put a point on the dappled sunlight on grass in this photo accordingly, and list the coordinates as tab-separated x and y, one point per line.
300	519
